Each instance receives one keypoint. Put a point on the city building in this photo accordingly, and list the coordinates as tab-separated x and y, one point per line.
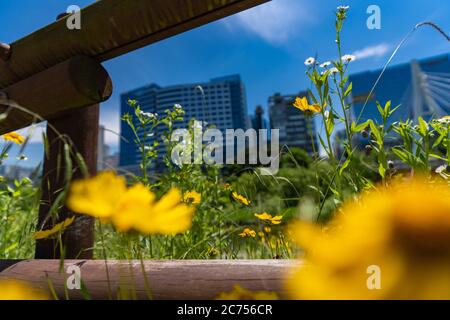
293	124
220	102
421	87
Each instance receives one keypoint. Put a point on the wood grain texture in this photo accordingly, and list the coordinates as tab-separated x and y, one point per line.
110	28
75	83
186	279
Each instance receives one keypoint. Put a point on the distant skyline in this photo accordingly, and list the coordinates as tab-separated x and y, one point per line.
266	45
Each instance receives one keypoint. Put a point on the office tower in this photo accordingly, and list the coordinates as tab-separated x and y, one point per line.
220	102
293	124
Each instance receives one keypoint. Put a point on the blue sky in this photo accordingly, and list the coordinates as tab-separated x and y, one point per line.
267	45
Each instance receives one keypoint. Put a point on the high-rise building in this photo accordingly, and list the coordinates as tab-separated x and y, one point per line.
220	102
421	87
293	124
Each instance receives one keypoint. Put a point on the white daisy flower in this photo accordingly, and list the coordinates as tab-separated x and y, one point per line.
444	120
334	70
325	64
348	58
343	8
309	61
149	115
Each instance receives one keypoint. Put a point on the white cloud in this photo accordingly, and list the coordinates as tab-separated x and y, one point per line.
276	21
110	119
372	51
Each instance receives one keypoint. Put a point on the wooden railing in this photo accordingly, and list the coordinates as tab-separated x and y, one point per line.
186	280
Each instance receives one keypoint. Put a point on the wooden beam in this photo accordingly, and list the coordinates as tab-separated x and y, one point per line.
72	84
195	279
110	28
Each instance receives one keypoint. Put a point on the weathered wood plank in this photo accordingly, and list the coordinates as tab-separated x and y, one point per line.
75	83
111	28
186	279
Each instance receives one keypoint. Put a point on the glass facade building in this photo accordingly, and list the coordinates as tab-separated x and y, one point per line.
220	102
292	123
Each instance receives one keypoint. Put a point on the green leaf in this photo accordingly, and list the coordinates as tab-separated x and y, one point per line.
400	154
359	127
349	89
376	132
344	166
423	127
382	164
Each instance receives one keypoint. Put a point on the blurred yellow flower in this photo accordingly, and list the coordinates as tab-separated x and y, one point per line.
192	197
240	198
97	196
107	197
19	290
57	228
303	105
239	293
14	137
267	229
227	186
248	233
393	243
269	218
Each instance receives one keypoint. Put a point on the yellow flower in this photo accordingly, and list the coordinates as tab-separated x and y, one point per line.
97	196
168	216
57	228
239	293
267	229
107	197
19	290
227	186
14	137
269	218
402	230
261	234
248	233
192	197
303	105
240	198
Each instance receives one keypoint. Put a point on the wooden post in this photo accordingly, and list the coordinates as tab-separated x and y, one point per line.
81	127
67	95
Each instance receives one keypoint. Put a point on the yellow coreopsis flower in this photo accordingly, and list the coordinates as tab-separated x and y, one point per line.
303	105
393	243
56	229
192	197
19	290
239	293
240	198
97	196
107	197
248	233
269	218
14	137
